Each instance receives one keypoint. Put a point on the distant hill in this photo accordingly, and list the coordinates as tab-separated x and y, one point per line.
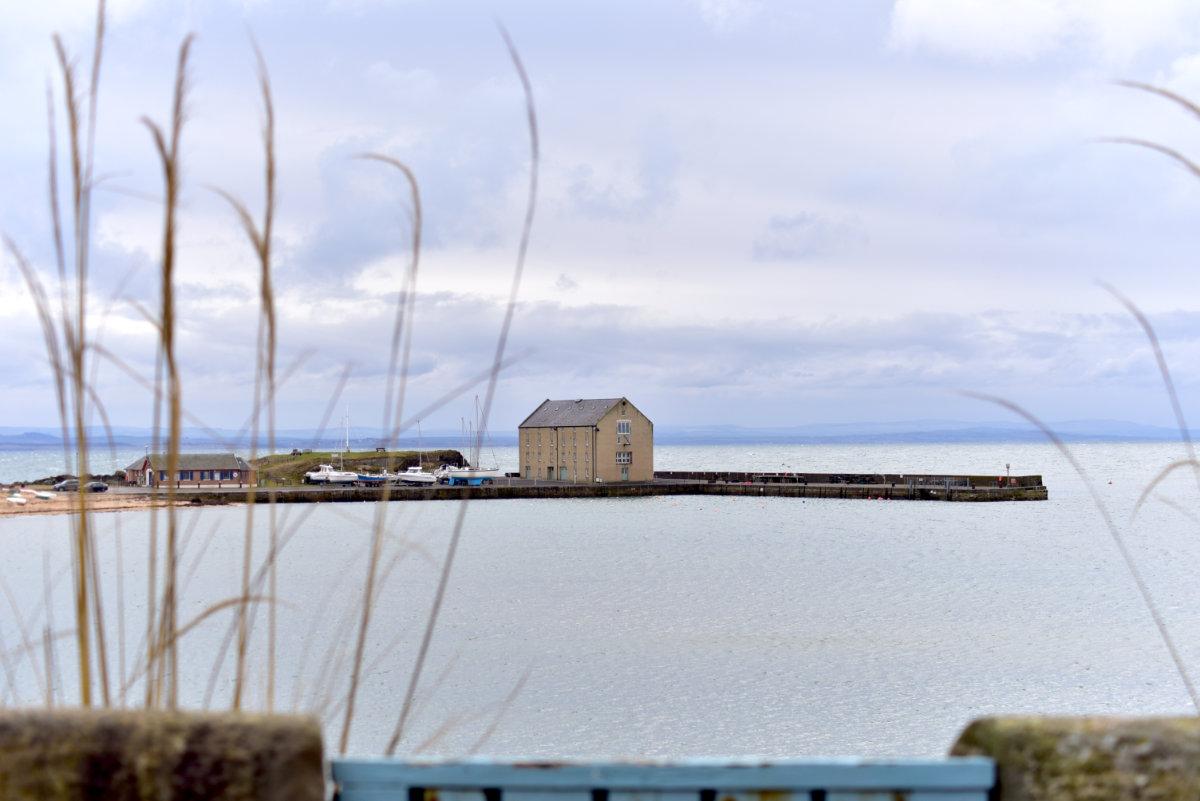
918	431
903	431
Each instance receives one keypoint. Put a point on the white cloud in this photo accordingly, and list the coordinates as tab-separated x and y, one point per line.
1112	31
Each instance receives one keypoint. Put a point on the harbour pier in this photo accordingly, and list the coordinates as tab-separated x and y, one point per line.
712	483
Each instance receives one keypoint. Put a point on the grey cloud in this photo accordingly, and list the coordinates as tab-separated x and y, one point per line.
804	236
722	366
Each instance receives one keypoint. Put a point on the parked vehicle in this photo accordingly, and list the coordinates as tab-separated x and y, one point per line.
95	486
67	485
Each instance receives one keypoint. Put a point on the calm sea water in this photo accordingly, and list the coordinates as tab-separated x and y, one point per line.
686	626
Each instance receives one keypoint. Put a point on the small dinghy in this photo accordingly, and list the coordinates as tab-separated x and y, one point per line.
17	500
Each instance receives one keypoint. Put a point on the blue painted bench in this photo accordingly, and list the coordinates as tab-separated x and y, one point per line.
951	779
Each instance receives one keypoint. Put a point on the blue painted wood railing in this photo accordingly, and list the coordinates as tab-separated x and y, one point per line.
952	779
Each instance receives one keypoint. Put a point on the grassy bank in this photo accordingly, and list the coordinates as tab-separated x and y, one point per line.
286	469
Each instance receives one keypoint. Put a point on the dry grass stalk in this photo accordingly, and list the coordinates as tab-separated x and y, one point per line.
1114	533
261	237
66	337
68	347
401	341
167	147
497	361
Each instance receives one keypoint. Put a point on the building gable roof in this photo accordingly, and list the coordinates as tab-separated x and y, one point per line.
194	461
567	413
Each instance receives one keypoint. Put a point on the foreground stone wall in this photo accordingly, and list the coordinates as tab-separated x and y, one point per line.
1089	759
159	756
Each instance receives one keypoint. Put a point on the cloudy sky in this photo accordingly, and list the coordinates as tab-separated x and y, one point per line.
752	212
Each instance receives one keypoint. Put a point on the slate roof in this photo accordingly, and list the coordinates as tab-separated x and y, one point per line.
195	461
566	413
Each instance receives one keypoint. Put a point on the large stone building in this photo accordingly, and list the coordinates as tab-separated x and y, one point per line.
586	440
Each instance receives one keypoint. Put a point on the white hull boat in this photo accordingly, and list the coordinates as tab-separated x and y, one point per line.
325	474
452	475
415	476
16	500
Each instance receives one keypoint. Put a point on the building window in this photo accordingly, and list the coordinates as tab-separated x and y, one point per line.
185	475
623	427
206	475
625	457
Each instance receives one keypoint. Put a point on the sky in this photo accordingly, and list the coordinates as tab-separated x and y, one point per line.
752	213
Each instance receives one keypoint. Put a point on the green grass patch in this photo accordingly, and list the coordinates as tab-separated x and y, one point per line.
289	468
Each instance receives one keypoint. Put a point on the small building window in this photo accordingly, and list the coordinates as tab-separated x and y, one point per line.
185	475
625	457
623	427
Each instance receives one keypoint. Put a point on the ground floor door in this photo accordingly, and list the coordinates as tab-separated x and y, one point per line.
550	473
528	471
562	474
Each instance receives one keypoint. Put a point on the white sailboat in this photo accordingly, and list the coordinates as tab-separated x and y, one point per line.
472	472
417	476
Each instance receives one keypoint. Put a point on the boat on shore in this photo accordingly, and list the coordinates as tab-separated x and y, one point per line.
467	474
326	474
415	476
471	472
